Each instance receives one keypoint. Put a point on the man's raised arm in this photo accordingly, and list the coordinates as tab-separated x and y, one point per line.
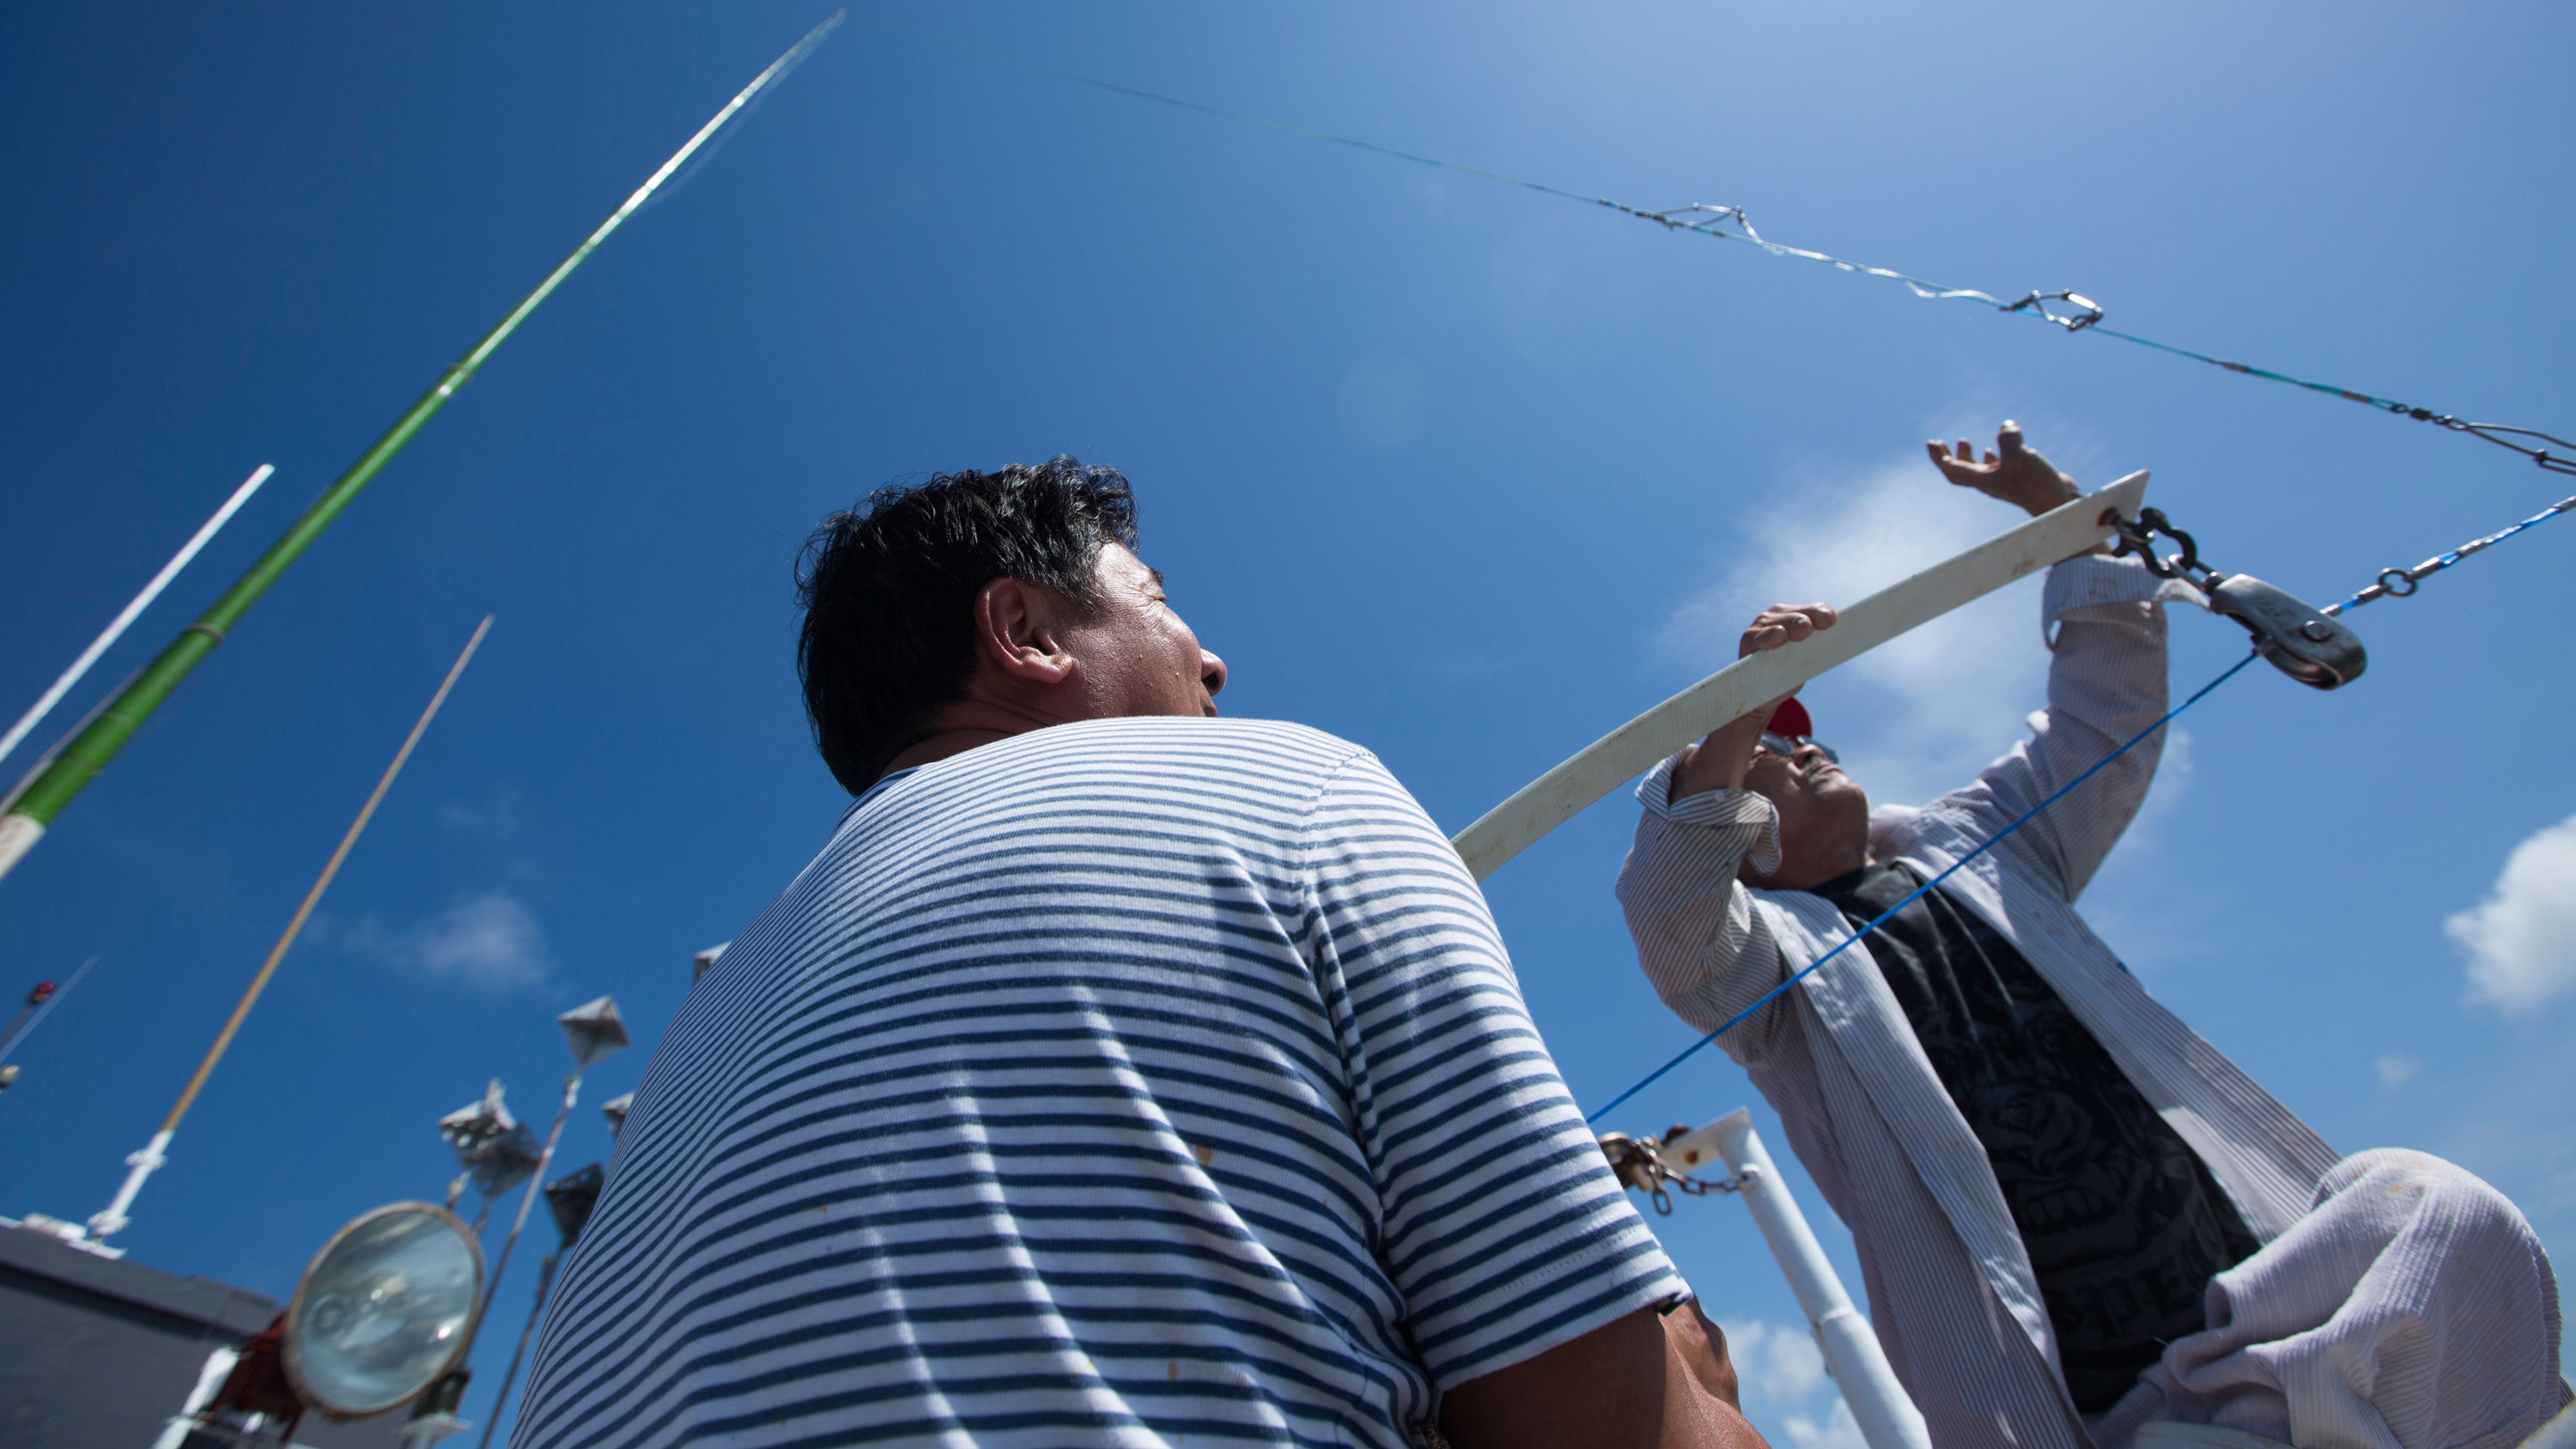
2106	682
1704	948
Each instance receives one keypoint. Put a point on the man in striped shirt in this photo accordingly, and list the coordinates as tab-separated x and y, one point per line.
2075	1216
1116	1075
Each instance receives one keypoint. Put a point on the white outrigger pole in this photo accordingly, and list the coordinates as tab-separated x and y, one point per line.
1879	1404
1748	683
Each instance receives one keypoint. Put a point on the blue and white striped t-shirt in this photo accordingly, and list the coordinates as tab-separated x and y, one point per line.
1134	1082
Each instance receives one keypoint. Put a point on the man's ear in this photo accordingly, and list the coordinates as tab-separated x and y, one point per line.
1019	629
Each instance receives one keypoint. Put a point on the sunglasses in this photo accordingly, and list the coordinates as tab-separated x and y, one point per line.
1786	747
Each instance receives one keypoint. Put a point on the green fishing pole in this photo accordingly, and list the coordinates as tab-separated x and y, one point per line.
72	768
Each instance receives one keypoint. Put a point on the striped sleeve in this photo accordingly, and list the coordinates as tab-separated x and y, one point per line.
1502	1226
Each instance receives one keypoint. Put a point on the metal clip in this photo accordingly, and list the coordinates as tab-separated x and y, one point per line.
2309	646
1638	1162
2038	301
2302	643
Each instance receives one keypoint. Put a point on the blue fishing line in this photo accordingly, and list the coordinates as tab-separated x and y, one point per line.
2439	562
2025	818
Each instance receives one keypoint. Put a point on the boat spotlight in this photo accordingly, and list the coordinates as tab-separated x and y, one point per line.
384	1311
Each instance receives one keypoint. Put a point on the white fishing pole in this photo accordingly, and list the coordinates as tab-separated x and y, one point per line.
45	703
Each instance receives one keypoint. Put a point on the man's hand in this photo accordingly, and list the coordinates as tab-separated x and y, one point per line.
2013	472
1718	762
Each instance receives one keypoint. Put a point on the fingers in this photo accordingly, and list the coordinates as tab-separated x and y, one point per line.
1784	624
1961	469
2008	439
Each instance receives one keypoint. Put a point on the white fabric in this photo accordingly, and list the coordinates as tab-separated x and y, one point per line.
1952	1294
2201	1436
2412	1309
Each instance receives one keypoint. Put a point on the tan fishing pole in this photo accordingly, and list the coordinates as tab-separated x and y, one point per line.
141	1165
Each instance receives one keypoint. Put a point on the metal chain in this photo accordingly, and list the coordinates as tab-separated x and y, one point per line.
1639	1163
2397	583
2138	536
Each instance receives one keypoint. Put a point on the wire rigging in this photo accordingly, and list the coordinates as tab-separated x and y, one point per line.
2080	314
2075	313
2390	579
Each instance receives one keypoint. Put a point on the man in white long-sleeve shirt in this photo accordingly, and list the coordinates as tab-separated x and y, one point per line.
2075	1217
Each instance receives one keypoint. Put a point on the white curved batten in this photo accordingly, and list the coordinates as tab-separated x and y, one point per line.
1738	689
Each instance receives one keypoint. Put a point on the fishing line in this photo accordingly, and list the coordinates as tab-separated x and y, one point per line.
2390	578
1919	892
2381	589
2081	314
34	1018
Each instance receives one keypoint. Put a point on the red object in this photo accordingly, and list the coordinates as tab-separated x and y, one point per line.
258	1383
1790	719
37	996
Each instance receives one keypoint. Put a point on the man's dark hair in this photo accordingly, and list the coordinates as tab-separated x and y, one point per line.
888	588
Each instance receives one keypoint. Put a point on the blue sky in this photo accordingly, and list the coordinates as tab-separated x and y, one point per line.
1459	471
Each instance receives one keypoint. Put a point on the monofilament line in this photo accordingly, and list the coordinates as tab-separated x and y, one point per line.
1918	893
2086	316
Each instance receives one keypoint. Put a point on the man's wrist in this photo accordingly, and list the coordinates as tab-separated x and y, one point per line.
1717	762
2050	500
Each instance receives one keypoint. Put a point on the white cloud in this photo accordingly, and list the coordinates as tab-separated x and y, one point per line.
490	942
1780	1370
2173	777
1774	1361
1921	713
1838	1431
2521	940
496	815
2397	1071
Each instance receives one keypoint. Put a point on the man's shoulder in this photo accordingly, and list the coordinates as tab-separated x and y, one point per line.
1158	743
1211	770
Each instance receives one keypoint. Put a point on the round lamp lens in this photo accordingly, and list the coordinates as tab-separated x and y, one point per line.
383	1310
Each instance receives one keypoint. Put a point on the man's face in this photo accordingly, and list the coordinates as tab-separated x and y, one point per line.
1824	814
1136	656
